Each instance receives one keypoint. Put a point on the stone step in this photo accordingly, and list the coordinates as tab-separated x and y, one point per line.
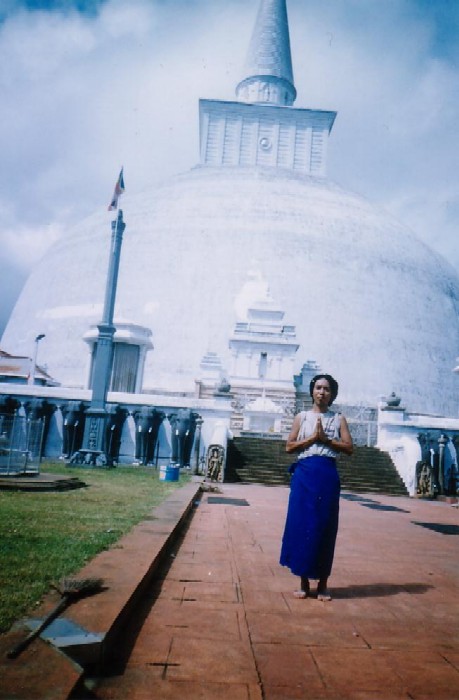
253	469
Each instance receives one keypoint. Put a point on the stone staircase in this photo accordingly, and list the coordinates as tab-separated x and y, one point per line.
258	460
370	469
265	461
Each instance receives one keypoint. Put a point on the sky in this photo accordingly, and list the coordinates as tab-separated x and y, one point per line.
89	85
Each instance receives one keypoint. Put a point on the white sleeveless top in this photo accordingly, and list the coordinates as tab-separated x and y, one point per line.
331	422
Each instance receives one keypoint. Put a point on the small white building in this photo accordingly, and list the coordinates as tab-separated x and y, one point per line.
131	343
263	348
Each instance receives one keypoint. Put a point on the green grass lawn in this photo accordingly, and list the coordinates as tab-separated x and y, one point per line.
45	536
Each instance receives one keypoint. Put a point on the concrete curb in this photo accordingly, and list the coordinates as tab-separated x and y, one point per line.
127	570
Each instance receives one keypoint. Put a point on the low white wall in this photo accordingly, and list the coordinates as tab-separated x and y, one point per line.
398	433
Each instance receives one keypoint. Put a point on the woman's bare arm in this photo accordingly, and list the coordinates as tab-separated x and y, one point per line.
293	444
344	444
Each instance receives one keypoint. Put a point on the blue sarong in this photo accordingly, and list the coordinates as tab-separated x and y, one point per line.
308	544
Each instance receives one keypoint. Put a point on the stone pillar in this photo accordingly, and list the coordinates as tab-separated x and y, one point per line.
197	445
455	466
442	442
140	368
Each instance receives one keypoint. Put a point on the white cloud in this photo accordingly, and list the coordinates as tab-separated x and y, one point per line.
24	245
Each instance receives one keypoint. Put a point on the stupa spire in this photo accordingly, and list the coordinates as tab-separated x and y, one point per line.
268	68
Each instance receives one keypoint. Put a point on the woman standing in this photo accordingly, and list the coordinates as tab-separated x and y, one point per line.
311	526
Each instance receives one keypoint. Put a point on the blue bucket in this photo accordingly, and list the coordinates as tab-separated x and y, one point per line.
169	472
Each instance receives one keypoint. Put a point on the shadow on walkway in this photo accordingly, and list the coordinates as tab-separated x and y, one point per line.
377	590
442	528
371	503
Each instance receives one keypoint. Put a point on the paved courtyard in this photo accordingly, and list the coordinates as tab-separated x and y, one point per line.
222	622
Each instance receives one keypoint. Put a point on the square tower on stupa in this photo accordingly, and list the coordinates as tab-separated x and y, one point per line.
246	133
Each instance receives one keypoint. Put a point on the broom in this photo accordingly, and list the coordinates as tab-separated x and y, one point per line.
71	589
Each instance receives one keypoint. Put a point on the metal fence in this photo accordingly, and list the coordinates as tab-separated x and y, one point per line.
21	443
363	423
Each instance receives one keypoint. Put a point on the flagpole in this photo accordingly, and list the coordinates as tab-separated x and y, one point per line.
94	450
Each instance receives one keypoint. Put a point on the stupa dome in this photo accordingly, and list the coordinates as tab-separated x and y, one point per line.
372	305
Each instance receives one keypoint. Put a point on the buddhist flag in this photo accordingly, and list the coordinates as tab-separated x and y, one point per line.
119	189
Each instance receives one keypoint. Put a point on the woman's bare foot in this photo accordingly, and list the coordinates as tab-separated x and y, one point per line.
300	594
322	591
304	590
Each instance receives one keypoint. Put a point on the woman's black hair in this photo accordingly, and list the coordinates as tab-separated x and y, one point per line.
333	385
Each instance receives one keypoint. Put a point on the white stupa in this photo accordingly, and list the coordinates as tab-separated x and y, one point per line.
371	304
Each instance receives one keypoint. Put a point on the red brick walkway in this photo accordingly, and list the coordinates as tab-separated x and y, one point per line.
225	623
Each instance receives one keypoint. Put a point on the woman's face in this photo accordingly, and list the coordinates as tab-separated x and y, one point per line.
321	393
